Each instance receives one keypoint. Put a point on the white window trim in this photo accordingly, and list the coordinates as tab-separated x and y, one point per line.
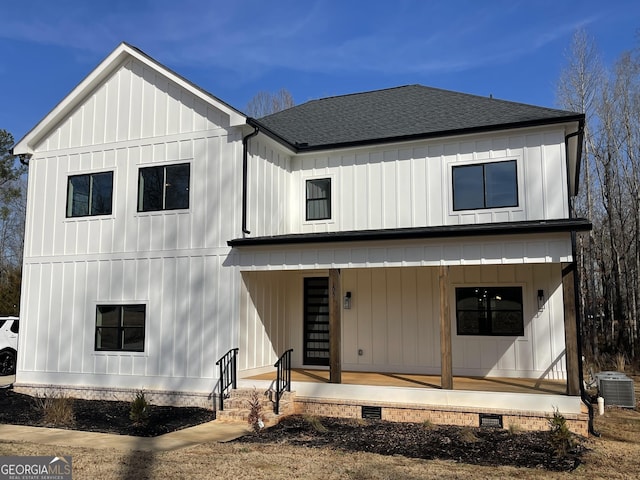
164	163
520	186
90	218
120	353
525	309
303	196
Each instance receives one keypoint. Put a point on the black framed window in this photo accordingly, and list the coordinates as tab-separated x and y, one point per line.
120	328
89	194
489	311
163	188
318	199
485	185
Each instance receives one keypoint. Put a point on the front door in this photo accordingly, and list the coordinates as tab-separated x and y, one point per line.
316	321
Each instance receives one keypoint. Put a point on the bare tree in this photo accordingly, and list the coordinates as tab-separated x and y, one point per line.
577	90
265	103
12	214
609	259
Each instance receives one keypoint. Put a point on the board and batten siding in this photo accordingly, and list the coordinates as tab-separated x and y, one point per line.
174	262
187	321
268	180
134	102
540	353
266	304
410	185
394	320
208	223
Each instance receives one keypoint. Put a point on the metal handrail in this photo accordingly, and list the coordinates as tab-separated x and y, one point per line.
228	377
283	377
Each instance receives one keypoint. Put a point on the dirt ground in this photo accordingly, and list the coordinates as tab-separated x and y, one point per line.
301	448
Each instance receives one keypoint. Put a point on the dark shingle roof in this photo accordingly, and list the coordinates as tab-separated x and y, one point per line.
411	111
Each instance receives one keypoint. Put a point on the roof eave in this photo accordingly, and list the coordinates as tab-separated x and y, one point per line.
302	148
271	134
484	229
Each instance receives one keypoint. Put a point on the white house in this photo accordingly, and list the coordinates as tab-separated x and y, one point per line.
402	231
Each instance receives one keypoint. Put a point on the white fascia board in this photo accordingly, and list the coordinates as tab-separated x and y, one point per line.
115	59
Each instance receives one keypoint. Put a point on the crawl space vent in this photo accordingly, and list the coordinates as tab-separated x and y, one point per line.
490	420
616	389
374	413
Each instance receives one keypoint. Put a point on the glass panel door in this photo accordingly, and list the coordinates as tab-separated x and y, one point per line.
316	321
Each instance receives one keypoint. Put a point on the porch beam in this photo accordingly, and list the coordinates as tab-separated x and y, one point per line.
446	361
570	328
335	330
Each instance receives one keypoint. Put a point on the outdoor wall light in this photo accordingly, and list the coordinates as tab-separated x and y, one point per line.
540	299
347	301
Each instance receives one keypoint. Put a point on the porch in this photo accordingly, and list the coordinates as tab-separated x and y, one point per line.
522	403
403	380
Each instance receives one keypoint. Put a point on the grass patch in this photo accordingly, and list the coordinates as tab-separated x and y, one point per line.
56	410
315	423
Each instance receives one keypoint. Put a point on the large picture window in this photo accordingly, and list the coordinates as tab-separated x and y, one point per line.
485	185
163	188
89	194
120	328
489	311
318	199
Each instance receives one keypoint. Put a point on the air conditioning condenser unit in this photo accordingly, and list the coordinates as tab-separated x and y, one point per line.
617	389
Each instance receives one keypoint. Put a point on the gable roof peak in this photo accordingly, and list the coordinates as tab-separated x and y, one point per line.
111	63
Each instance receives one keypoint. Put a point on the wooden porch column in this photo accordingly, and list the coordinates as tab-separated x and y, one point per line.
335	331
446	362
570	328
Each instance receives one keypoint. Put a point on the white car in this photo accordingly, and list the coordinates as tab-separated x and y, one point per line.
8	345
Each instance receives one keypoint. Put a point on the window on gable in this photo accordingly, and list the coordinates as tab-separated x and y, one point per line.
318	199
163	188
120	328
485	185
489	311
89	194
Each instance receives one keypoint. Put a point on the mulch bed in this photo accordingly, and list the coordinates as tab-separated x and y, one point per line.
476	446
102	416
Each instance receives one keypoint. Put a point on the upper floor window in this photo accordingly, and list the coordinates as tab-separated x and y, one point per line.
163	188
89	194
489	311
120	328
485	185
318	199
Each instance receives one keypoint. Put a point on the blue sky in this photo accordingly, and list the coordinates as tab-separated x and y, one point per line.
512	49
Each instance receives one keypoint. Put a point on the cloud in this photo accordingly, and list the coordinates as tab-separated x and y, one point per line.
250	38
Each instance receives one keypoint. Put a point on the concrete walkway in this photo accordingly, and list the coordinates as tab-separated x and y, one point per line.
214	431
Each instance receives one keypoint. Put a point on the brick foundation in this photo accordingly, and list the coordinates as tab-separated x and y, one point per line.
154	397
470	417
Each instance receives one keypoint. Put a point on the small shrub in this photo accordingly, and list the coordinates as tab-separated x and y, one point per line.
139	411
256	418
315	423
467	435
561	437
56	410
427	424
514	429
